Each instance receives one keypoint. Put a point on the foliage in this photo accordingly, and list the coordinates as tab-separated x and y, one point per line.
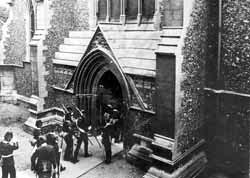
67	17
236	49
193	67
4	14
15	47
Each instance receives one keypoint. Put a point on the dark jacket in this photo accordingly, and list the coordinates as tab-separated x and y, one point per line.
44	154
6	150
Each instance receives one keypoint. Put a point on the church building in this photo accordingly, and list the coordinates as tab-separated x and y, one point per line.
168	66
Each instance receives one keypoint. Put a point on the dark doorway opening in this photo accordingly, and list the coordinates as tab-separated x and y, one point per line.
109	94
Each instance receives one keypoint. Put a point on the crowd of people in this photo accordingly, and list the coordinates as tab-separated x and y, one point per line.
45	159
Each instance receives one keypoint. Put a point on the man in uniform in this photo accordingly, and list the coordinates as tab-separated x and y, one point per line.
82	128
107	138
43	160
68	137
6	154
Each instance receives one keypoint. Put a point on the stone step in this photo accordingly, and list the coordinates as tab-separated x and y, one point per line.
65	62
133	35
39	32
69	56
138	63
81	34
36	37
135	53
132	44
76	41
72	48
172	32
168	41
166	49
141	72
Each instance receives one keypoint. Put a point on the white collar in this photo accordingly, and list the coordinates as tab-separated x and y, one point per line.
4	141
44	144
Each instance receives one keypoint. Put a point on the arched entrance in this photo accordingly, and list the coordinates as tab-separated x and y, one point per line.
99	81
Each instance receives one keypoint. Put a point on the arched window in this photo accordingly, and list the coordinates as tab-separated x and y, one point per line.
132	9
148	9
102	9
115	11
173	13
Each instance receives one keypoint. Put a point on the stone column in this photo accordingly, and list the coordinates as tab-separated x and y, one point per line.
157	15
93	9
139	16
123	15
108	11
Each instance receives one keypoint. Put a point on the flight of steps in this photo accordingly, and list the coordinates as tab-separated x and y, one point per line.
73	48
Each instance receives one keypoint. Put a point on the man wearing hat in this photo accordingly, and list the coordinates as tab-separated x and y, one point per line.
43	160
82	127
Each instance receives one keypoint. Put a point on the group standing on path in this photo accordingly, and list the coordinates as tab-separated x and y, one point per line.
45	159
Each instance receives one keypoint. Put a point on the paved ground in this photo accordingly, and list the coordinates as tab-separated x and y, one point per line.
12	118
83	166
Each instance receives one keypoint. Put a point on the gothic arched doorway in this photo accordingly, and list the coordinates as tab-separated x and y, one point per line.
98	82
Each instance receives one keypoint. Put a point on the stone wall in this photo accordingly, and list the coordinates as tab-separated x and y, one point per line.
15	44
228	134
190	120
138	122
235	46
228	143
4	14
69	15
23	80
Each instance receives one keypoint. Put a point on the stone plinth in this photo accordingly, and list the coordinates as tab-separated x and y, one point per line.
49	117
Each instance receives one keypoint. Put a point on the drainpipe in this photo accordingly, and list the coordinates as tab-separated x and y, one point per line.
219	46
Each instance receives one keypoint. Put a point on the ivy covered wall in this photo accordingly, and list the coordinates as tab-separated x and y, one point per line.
15	44
69	15
189	122
228	144
235	46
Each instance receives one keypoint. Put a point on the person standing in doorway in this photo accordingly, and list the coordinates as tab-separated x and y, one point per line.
6	154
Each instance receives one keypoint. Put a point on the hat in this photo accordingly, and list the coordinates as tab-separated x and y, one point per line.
42	139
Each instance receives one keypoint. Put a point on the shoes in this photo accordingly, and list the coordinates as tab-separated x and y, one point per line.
75	161
107	161
87	155
67	159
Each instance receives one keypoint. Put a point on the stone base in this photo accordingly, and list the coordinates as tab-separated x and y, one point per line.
139	155
30	125
191	169
49	117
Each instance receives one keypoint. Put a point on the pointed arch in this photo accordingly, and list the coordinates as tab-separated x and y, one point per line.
87	77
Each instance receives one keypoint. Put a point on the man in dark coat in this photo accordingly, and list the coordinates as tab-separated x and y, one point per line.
107	138
43	161
6	154
52	139
68	137
82	127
